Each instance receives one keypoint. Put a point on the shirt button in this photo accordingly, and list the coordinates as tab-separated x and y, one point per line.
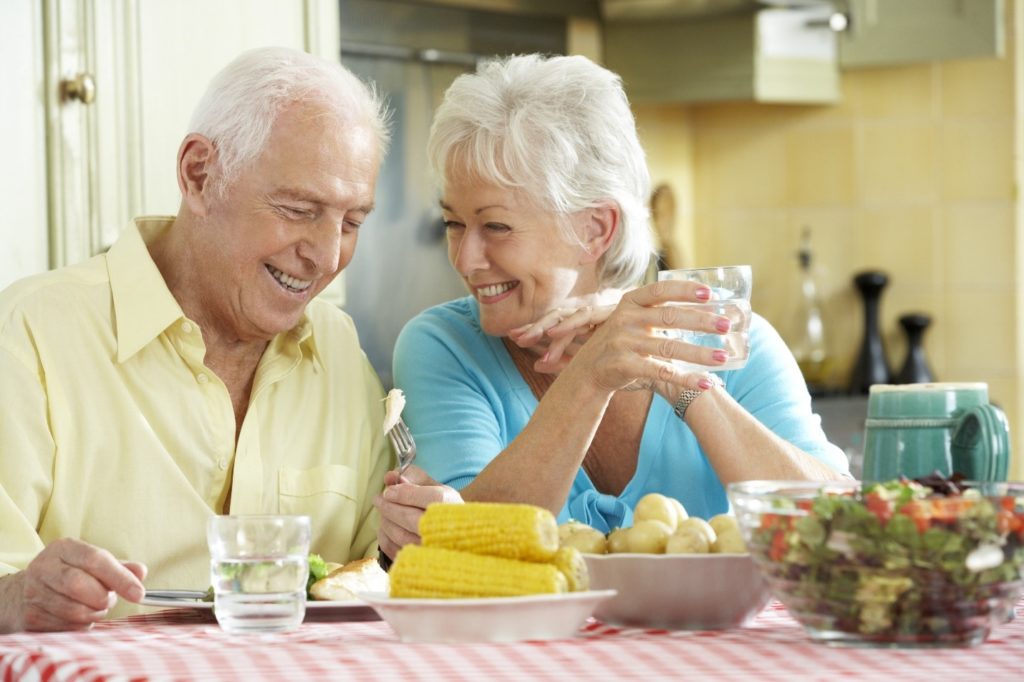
186	327
223	464
202	378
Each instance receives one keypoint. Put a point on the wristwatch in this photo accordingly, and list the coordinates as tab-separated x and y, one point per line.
691	394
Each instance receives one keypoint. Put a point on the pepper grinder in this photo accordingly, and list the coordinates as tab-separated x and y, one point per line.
915	369
871	367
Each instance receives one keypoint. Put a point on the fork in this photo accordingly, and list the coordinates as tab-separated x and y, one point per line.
404	445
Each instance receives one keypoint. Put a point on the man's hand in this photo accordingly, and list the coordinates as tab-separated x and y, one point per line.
68	586
402	504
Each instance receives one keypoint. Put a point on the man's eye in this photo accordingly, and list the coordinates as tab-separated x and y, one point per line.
293	212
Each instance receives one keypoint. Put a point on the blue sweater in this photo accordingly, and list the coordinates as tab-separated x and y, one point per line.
466	401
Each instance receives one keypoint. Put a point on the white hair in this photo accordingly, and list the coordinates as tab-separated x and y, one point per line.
560	130
242	102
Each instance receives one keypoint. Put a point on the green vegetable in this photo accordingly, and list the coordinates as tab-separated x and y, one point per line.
317	571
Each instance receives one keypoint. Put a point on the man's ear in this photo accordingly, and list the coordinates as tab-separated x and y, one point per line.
598	228
195	160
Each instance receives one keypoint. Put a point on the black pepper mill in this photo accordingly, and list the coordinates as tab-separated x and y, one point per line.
871	367
915	369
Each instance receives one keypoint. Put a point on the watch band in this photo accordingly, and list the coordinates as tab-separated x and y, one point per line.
691	394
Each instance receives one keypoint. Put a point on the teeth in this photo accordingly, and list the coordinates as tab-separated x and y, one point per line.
289	282
495	289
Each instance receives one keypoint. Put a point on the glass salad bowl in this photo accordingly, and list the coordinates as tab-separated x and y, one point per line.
899	564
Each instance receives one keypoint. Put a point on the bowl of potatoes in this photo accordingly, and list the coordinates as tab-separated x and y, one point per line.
671	570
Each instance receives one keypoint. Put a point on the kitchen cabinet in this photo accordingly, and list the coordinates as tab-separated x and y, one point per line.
885	32
110	88
765	55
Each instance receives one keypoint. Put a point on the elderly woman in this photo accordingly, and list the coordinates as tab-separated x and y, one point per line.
550	383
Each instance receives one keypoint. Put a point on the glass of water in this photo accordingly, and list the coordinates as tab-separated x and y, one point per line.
730	296
258	568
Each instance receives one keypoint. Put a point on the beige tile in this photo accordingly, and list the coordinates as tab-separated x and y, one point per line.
902	241
979	239
820	165
977	87
740	169
898	91
897	162
980	336
977	159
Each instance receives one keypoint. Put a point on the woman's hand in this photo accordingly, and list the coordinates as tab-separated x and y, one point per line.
402	504
559	334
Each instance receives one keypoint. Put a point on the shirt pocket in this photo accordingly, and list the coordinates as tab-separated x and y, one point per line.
327	493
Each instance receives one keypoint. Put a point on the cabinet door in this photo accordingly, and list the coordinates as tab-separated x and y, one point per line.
115	157
901	31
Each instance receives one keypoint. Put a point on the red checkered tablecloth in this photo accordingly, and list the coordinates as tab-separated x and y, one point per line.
187	645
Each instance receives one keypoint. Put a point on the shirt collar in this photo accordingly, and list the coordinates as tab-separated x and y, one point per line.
143	305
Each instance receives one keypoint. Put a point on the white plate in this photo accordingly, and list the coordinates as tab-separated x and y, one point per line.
315	610
500	619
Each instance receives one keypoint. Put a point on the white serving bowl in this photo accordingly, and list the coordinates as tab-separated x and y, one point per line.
677	591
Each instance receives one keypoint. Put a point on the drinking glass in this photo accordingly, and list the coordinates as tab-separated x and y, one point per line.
730	296
258	568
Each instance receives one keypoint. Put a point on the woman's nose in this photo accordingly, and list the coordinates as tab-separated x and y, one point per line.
467	251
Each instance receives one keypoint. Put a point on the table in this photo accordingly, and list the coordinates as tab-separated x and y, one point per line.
187	645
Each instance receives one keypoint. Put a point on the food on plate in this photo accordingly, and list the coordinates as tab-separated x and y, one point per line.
701	526
617	541
345	582
900	561
729	541
511	531
394	402
647	537
583	537
434	572
688	540
657	507
721	523
480	549
317	570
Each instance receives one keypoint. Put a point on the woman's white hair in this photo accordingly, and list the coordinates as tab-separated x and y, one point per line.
242	102
560	130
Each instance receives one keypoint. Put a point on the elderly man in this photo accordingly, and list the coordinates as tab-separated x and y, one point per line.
189	371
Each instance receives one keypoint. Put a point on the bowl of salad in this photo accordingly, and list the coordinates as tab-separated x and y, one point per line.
926	563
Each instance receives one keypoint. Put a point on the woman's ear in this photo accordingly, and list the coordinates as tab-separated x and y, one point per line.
598	229
195	159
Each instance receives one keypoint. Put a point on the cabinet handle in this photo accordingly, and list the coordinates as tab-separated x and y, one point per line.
82	88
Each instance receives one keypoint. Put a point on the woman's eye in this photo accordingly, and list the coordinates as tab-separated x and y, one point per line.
497	227
452	224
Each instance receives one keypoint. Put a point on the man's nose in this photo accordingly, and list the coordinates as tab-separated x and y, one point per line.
468	252
321	246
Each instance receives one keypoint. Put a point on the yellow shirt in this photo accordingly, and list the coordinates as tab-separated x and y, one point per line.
112	430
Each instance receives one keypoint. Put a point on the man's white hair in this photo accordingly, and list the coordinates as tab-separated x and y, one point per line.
242	102
560	130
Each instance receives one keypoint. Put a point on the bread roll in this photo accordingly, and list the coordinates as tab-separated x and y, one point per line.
342	584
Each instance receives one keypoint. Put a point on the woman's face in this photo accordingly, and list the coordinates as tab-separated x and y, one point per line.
512	255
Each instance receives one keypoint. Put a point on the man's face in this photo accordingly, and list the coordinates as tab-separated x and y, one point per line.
288	224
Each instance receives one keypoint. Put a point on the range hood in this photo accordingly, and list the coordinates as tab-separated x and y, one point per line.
644	10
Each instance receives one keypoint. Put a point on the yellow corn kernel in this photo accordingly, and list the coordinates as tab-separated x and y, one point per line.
573	566
433	572
512	531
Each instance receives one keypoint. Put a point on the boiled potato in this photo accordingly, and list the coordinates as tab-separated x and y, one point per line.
688	540
681	514
617	541
730	541
723	522
699	525
581	536
656	507
648	537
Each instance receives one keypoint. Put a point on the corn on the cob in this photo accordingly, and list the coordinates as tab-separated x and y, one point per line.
433	572
573	566
512	531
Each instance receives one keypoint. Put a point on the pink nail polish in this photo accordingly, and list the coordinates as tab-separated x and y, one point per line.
723	324
703	294
704	384
720	356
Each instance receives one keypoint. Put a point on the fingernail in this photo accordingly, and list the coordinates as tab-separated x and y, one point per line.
546	358
722	324
703	294
720	356
704	384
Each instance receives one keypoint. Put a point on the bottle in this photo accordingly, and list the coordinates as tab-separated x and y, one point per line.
915	368
808	333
